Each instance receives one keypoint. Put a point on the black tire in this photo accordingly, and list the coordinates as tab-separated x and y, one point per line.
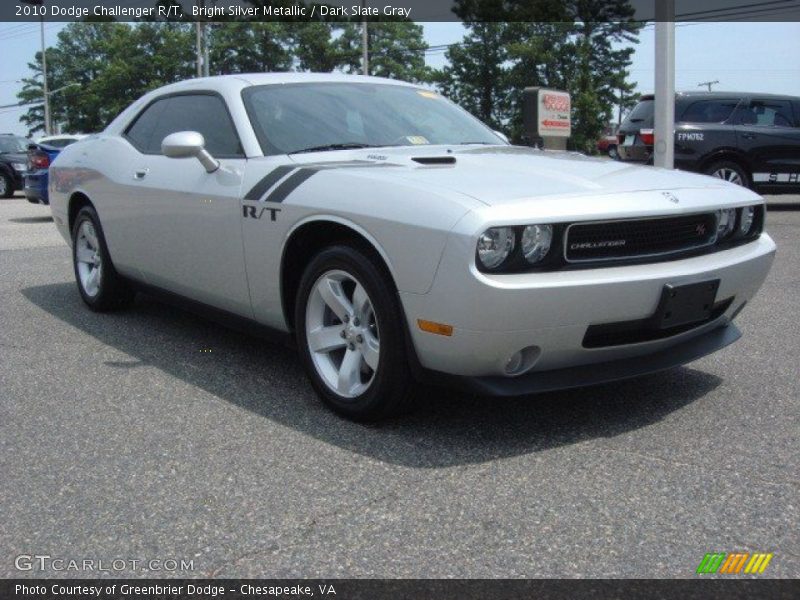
390	390
727	166
613	153
112	290
6	186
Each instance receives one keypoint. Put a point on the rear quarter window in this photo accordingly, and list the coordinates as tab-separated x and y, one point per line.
641	116
709	111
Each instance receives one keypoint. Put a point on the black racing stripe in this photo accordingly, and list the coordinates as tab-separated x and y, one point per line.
280	193
271	179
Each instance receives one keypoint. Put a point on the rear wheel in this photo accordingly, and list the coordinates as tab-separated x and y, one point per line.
99	284
350	334
729	171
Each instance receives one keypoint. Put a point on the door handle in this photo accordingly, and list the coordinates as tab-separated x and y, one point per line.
749	136
140	174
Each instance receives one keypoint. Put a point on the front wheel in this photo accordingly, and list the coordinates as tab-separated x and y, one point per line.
613	153
729	171
350	334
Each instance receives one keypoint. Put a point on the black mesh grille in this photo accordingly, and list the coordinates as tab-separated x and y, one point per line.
614	240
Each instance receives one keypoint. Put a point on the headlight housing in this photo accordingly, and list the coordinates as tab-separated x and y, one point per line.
495	245
536	240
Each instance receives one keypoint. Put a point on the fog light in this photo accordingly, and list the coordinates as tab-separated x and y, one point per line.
514	363
522	361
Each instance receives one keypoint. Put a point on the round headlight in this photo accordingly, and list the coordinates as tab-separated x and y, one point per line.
495	245
746	221
726	219
536	241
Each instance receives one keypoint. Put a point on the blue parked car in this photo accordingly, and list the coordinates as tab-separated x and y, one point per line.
40	157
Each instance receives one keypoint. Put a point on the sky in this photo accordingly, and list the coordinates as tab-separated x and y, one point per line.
758	57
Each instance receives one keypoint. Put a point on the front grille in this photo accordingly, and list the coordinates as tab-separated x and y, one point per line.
635	238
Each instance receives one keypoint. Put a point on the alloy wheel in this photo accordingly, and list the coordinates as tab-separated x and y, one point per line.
342	333
88	258
728	175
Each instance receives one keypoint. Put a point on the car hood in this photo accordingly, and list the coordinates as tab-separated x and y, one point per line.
497	175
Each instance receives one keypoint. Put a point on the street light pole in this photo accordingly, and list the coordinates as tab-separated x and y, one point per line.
664	148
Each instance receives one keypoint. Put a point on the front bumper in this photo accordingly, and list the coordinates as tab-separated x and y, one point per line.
573	377
495	316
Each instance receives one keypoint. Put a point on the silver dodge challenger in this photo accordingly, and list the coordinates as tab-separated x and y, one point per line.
395	238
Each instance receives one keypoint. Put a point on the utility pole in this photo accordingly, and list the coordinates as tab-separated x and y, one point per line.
47	126
708	84
664	147
199	48
364	40
206	57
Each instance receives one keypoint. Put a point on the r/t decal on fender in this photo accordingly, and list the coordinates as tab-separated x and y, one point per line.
256	212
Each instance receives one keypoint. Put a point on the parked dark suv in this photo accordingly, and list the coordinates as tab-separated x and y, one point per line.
749	139
13	163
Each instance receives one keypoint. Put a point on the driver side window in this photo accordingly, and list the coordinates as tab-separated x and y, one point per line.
204	113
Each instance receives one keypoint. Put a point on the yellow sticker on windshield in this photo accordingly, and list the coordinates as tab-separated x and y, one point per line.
427	94
417	140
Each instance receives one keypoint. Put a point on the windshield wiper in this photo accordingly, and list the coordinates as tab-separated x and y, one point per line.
340	146
481	143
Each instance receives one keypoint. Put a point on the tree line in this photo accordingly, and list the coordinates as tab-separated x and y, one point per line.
107	65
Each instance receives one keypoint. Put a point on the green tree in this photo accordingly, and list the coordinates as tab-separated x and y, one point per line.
82	53
315	48
477	74
581	46
250	47
112	65
396	50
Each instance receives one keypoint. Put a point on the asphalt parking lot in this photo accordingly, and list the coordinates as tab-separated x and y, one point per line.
152	434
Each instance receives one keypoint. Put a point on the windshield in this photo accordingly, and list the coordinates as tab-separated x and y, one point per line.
641	116
10	143
334	116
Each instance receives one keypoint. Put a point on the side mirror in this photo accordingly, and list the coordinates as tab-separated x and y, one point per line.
502	136
188	144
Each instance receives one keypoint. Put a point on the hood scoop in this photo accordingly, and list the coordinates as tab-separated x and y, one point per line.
434	160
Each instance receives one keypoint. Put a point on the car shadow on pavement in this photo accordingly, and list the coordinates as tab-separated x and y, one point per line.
449	428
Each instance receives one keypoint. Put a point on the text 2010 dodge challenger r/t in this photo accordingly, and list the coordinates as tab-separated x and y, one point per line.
397	237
